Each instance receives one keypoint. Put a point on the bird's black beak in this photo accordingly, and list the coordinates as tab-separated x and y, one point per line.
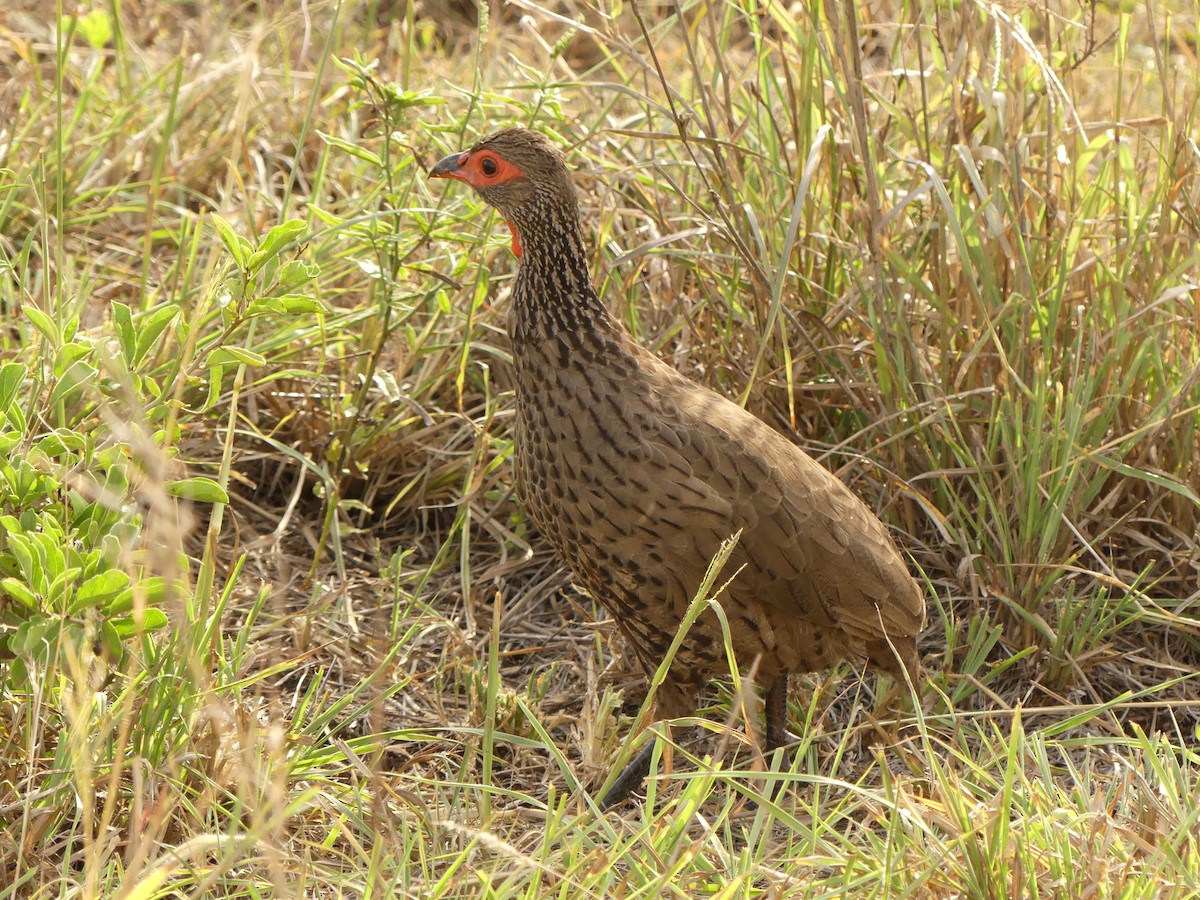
449	168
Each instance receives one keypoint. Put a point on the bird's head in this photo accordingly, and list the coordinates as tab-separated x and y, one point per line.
516	171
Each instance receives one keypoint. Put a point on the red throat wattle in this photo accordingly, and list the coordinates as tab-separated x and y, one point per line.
516	242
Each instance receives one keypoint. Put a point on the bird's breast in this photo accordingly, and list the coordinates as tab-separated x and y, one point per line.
579	431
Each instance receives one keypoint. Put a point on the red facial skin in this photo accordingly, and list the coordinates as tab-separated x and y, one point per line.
481	169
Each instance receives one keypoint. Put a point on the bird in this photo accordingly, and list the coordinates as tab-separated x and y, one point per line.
637	475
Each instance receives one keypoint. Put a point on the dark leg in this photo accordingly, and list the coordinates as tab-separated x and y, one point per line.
776	710
674	700
631	779
775	706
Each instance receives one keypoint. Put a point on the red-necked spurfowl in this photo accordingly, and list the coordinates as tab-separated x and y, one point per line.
636	475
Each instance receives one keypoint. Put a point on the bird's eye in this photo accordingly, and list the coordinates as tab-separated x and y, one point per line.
488	165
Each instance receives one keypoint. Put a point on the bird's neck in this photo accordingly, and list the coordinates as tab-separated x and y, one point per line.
553	294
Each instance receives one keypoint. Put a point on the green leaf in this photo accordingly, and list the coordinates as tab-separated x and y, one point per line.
224	355
298	304
353	149
151	328
153	591
12	376
22	549
123	323
152	620
60	441
69	354
111	638
78	374
234	244
98	590
30	635
326	217
42	323
216	374
56	595
277	238
20	592
296	272
408	99
50	545
264	306
199	488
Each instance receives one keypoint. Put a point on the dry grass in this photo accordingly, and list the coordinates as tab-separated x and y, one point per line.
952	251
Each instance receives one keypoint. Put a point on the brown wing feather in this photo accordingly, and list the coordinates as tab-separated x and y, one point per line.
813	549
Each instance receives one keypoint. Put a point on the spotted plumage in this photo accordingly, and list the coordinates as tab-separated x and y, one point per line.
636	475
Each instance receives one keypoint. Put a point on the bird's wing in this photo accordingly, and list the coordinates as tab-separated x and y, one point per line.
813	548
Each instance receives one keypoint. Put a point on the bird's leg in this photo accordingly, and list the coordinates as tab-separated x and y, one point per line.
674	700
775	709
632	778
776	713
